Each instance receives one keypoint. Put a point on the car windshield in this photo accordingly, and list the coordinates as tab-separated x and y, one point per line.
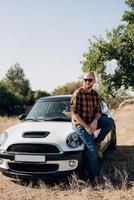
58	110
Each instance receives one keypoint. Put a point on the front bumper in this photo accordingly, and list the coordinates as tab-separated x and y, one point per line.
55	165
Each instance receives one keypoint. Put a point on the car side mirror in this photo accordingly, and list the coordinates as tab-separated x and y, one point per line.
22	117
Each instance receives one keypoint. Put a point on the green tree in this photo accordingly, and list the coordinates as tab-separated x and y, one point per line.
39	93
119	46
128	16
9	104
16	81
67	88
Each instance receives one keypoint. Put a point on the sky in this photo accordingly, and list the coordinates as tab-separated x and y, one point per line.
49	37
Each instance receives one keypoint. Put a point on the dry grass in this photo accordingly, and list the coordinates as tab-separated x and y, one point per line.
6	122
117	168
76	190
124	118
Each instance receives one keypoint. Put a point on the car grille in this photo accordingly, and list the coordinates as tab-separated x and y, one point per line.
33	148
33	168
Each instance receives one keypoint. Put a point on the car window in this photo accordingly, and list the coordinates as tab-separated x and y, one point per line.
50	110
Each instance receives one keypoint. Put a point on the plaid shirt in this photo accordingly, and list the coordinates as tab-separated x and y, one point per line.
85	104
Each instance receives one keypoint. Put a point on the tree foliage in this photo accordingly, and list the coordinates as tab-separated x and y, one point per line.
67	89
16	81
128	16
39	93
119	46
16	93
9	103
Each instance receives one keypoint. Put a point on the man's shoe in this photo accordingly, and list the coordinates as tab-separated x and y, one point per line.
99	152
100	182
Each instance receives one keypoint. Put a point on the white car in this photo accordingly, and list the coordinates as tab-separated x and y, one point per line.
43	144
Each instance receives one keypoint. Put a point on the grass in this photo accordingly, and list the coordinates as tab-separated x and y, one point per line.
76	190
6	122
117	169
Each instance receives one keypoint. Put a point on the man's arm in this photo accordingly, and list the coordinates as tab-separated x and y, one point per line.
82	123
93	125
97	116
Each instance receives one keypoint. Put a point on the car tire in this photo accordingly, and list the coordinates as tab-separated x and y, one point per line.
113	143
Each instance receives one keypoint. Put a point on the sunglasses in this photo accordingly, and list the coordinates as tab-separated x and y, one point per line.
88	80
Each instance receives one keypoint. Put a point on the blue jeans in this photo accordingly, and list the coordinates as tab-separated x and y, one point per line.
105	124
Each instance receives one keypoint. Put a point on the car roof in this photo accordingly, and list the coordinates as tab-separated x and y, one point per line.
55	97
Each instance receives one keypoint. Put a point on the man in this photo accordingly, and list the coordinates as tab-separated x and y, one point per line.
87	117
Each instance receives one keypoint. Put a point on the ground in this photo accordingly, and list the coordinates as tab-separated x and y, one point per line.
117	169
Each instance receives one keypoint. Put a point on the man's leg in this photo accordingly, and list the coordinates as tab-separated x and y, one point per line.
106	124
91	150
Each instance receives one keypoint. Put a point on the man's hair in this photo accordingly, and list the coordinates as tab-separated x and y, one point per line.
91	73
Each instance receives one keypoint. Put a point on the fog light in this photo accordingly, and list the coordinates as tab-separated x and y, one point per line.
72	163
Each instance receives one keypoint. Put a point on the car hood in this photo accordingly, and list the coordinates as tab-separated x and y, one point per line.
57	136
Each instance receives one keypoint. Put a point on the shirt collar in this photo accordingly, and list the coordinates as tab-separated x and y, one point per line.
86	91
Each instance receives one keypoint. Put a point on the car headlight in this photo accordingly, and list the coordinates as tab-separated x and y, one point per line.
73	140
3	137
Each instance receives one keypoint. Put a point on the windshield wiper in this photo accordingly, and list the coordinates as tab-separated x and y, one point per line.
47	119
38	119
32	119
57	119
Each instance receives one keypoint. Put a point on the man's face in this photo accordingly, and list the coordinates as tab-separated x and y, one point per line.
88	81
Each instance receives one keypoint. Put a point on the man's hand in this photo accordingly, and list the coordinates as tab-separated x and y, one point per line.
93	125
88	129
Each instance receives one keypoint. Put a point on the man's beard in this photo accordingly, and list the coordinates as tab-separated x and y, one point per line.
89	87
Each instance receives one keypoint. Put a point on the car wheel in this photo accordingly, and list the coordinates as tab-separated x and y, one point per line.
113	143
